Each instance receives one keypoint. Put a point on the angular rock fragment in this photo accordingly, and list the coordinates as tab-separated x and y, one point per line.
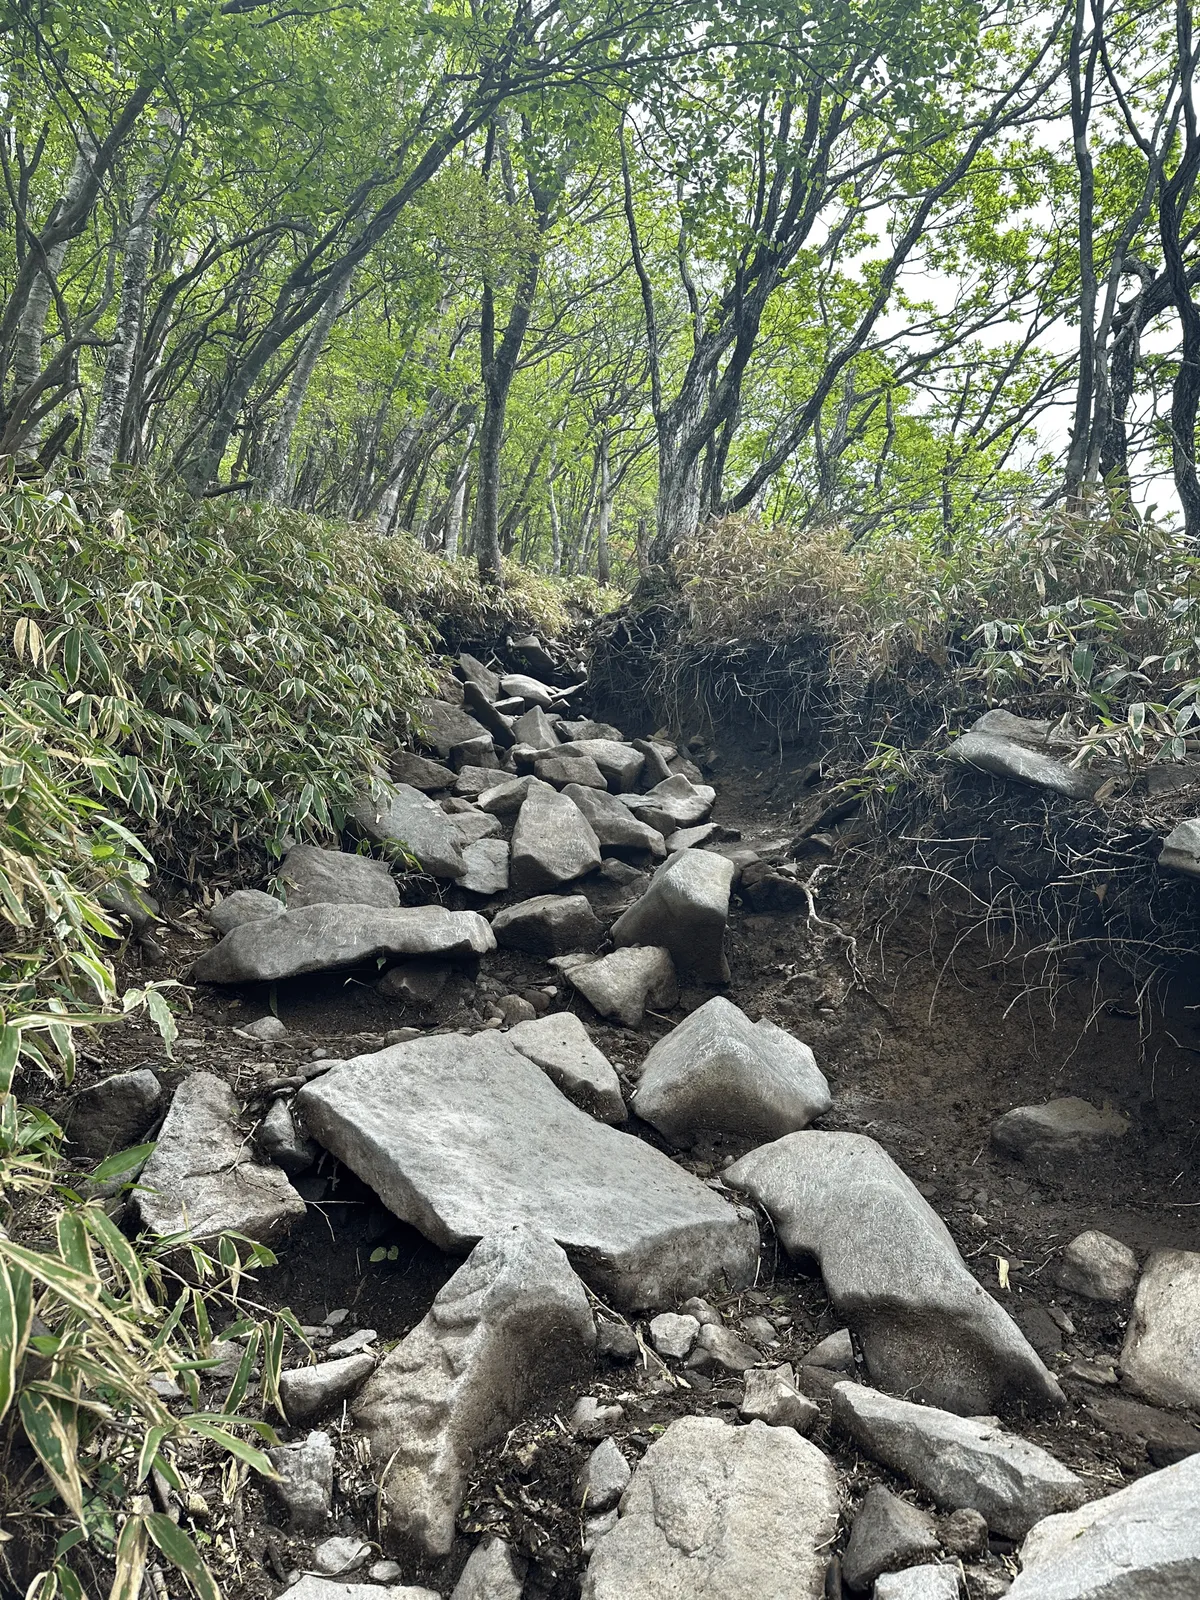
721	1347
474	825
402	816
720	1513
489	716
307	1391
243	905
926	1326
281	1141
620	764
602	1478
462	1136
312	1587
472	670
618	830
530	689
1061	1128
549	925
563	1048
771	1396
487	867
673	1335
933	1581
585	728
561	771
474	781
477	753
959	1461
888	1533
443	726
419	772
552	842
1161	1356
656	769
320	937
417	983
691	838
1020	750
305	1483
513	1320
1142	1541
201	1182
673	804
835	1352
507	798
536	732
625	983
114	1113
494	1571
718	1072
310	876
1097	1267
341	1555
684	910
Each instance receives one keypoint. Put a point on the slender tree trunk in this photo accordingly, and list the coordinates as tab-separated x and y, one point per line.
118	368
391	495
604	512
556	545
274	473
1082	85
458	500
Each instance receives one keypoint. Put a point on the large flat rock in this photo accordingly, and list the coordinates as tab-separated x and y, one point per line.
462	1136
718	1072
321	937
1142	1542
201	1182
401	816
716	1512
512	1322
1013	748
927	1327
311	876
959	1461
618	830
563	1048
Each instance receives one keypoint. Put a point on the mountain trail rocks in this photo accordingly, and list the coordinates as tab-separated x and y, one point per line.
312	1587
673	1335
716	1512
602	1478
305	1483
618	830
771	1396
575	770
1142	1541
718	1072
1181	849
401	815
888	1534
200	1180
321	937
891	1268
933	1581
552	842
243	905
463	1136
487	867
563	1048
443	726
536	730
513	1320
675	803
310	876
418	772
684	909
1066	1128
959	1461
626	983
1010	747
307	1391
549	925
1161	1357
1097	1267
114	1113
507	797
494	1571
620	764
472	670
281	1141
529	689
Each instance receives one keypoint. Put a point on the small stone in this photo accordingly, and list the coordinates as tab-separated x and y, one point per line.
759	1329
281	1141
1097	1267
494	1571
965	1533
515	1008
835	1351
307	1391
591	1420
114	1113
721	1347
930	1582
673	1335
771	1395
1181	849
362	1339
603	1477
627	982
616	1340
562	1047
673	804
305	1483
400	1036
690	838
1069	1127
334	1556
985	1583
266	1028
419	982
594	1528
888	1533
388	1572
620	764
704	1311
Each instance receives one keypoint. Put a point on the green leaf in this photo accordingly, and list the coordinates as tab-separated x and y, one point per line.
130	1560
236	1447
122	1162
182	1554
16	1317
51	1426
150	1447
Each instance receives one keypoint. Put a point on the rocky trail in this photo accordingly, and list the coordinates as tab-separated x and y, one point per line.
658	1232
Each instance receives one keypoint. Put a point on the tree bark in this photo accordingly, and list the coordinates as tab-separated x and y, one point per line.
604	513
118	368
458	500
274	474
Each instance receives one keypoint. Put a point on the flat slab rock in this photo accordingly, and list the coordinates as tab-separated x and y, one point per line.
511	1323
892	1270
684	909
718	1072
1142	1541
959	1461
1067	1127
1009	747
563	1048
716	1512
462	1136
200	1180
322	937
618	830
401	815
312	1587
1161	1357
624	984
311	876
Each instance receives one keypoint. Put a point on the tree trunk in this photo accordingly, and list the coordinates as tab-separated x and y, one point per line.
555	529
603	514
118	368
274	472
458	500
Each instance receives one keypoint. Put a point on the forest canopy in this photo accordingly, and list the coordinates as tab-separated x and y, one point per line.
559	283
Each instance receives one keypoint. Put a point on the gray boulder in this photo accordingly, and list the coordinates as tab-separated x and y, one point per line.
1160	1359
684	910
443	726
563	1048
317	938
552	842
716	1512
201	1182
673	1335
281	1141
585	728
691	838
549	925
114	1113
1066	1128
536	731
578	771
959	1461
487	867
1097	1267
311	876
1181	849
620	763
402	816
618	830
770	1395
463	1136
472	825
675	803
494	1571
312	1587
305	1482
718	1072
926	1327
513	1321
1009	747
489	716
888	1533
507	798
656	755
307	1391
530	689
419	772
474	781
472	670
243	905
603	1477
623	984
933	1581
1142	1541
